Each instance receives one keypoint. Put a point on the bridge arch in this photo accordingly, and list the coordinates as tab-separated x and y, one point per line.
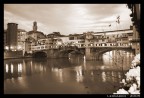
39	54
99	54
65	53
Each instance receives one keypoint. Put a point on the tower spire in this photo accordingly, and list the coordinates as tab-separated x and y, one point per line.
34	26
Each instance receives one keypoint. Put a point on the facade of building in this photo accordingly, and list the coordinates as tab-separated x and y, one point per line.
40	44
112	38
29	43
57	42
11	36
135	9
77	40
21	37
35	39
36	34
5	32
14	38
119	38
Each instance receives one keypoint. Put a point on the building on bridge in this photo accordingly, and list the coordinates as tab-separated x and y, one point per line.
77	40
97	43
109	38
120	38
41	44
57	42
93	44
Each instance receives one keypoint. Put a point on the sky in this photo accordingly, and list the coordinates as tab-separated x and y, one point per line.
68	18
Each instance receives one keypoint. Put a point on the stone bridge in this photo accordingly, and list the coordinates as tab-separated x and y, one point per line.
91	53
96	53
58	52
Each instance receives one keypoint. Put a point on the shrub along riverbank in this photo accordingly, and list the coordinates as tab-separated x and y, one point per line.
131	83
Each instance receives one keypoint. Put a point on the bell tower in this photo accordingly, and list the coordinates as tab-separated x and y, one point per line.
34	26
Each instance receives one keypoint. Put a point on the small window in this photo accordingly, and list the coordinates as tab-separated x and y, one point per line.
71	38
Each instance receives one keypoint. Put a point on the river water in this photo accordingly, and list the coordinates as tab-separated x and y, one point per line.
72	75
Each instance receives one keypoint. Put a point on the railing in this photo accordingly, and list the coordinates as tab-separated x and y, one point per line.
122	46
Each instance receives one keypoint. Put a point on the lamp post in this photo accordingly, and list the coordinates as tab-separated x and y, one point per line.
6	48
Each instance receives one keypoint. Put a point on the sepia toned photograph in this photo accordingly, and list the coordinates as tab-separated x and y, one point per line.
72	49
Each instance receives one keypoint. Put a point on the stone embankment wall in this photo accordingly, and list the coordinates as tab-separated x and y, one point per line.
13	54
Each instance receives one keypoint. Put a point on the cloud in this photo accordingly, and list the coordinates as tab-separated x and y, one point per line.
66	18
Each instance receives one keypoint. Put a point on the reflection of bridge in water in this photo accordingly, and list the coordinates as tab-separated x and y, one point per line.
92	79
19	68
94	76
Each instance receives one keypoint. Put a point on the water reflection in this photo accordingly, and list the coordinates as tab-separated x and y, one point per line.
59	73
56	75
117	59
79	75
103	77
12	70
6	68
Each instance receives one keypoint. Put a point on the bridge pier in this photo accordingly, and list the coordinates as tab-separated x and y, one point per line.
52	53
100	57
92	55
88	53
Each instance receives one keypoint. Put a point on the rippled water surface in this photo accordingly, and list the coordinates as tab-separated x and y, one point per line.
74	75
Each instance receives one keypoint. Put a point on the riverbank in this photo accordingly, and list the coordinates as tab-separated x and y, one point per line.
131	83
15	55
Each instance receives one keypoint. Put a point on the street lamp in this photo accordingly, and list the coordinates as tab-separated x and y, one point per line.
19	47
6	47
11	48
